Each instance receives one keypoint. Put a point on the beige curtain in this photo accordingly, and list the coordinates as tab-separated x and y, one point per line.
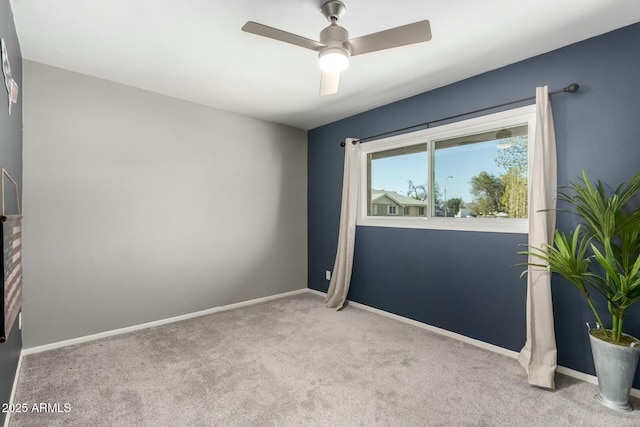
341	275
538	356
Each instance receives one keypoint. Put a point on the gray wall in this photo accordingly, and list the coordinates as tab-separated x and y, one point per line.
11	160
141	207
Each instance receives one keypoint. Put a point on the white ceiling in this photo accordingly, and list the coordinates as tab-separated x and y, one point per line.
195	50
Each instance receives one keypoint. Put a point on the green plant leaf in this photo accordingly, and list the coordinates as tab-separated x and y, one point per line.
609	234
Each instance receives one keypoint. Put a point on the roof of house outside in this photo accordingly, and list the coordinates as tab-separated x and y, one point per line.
398	198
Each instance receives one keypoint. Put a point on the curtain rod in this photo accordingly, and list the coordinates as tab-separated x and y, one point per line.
572	88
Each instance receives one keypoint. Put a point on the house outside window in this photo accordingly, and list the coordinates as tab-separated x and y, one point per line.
387	203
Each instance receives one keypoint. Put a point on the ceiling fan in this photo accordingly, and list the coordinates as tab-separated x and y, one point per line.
334	48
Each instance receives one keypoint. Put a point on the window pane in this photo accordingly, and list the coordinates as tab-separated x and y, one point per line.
482	175
397	181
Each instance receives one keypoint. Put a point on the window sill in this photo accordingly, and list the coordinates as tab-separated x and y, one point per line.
487	225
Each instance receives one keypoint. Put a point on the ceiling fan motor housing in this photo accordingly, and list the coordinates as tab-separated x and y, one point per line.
335	38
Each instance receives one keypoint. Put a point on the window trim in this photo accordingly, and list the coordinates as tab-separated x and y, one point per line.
428	136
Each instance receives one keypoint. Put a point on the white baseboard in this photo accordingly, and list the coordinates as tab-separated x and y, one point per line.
313	291
485	345
13	388
92	337
494	348
581	376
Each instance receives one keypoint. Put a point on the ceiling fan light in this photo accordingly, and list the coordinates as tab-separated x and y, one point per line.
334	60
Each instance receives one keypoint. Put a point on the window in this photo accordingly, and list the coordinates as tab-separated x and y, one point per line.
469	175
486	174
390	180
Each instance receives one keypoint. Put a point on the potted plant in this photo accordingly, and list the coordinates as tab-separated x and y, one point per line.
602	254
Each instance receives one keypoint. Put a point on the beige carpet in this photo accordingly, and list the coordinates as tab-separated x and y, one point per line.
292	362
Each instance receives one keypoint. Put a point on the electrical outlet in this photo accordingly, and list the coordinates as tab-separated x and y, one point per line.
327	275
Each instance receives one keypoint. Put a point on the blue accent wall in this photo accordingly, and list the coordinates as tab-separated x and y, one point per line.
467	282
11	160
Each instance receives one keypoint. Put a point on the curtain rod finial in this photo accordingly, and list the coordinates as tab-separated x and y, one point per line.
354	142
572	88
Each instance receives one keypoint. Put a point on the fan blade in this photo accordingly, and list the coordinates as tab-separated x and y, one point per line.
395	37
283	36
329	83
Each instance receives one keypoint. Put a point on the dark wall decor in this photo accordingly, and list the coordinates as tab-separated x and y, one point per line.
11	160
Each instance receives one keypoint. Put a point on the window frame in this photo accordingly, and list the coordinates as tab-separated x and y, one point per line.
501	119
